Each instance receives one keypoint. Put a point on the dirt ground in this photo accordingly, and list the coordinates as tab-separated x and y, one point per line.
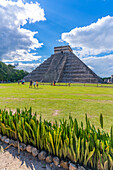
10	160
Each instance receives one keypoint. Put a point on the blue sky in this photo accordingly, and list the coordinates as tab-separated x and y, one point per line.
30	30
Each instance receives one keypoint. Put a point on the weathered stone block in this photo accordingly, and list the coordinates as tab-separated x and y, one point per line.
49	159
34	151
56	161
42	155
64	164
72	166
81	168
29	148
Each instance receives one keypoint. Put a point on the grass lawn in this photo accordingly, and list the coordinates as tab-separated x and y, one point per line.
55	102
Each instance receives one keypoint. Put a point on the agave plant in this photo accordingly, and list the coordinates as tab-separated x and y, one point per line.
88	146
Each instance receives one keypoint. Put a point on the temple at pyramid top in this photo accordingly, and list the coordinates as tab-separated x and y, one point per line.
63	66
62	49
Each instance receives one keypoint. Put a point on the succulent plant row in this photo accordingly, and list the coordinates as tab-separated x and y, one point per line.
85	145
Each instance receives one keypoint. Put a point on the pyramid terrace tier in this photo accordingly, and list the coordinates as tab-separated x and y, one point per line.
62	49
63	67
79	80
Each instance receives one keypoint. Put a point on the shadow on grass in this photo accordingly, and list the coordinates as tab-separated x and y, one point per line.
35	88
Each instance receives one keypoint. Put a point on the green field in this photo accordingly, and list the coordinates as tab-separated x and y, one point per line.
54	102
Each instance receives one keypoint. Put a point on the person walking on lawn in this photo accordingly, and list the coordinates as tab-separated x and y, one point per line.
37	84
30	85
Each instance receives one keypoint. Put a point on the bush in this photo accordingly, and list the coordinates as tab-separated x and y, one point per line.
87	145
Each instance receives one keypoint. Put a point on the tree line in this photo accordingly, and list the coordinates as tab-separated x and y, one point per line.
9	73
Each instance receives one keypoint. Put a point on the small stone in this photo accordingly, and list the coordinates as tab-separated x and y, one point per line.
22	146
49	159
11	142
29	148
64	164
34	151
0	136
56	161
16	143
72	167
3	138
6	140
81	168
42	155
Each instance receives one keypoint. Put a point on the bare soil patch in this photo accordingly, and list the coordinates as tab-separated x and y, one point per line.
3	87
107	95
14	98
56	112
91	116
99	101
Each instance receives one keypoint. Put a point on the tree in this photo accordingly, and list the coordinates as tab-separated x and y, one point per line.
9	73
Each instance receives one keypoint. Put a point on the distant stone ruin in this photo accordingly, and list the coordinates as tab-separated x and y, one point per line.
63	66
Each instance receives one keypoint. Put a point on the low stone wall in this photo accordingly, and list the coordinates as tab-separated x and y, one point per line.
42	155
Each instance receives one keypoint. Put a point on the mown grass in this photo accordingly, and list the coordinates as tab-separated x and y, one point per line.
57	102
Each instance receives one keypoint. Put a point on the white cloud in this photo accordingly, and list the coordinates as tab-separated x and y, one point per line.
21	12
103	66
15	41
26	66
21	55
93	39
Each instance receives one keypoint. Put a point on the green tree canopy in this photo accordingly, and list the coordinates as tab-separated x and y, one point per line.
9	73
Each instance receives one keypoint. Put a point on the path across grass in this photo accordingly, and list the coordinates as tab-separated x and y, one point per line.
54	102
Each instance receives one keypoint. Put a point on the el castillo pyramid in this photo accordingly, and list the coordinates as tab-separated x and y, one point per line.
63	66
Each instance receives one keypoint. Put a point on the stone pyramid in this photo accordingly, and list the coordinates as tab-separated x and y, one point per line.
63	66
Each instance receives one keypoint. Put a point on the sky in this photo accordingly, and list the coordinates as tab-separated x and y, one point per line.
30	29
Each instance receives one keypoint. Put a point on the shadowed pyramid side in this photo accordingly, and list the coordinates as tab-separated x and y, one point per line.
40	71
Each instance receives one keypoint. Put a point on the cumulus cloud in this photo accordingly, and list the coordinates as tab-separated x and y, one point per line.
21	55
103	66
26	66
15	41
92	39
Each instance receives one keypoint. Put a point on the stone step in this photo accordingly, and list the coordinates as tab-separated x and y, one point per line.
80	80
67	70
75	72
79	76
55	68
